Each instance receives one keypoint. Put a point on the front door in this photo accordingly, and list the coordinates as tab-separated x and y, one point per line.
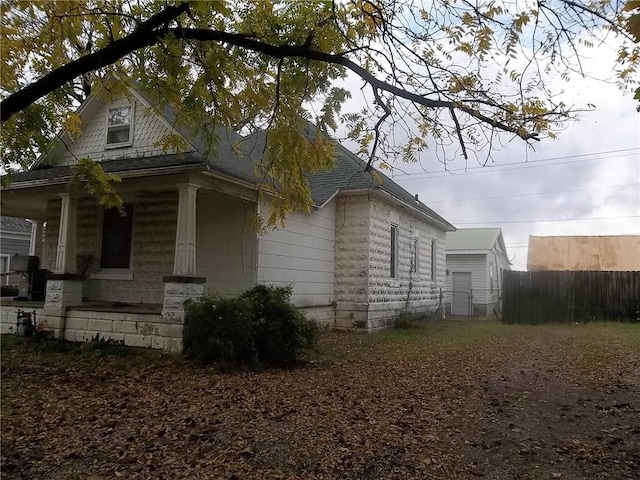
461	297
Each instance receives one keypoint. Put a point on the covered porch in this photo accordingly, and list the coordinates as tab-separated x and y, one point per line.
127	277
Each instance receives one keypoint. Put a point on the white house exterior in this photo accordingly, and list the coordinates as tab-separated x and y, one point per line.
15	235
189	230
476	259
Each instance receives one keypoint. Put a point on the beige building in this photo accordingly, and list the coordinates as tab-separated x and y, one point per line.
600	253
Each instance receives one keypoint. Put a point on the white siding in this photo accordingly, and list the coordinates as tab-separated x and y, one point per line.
148	128
500	261
478	265
12	244
225	243
301	254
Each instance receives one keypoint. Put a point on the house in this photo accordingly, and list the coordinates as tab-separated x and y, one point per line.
367	251
15	235
594	253
476	259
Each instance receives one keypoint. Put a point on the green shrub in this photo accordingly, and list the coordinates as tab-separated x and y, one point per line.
260	327
219	330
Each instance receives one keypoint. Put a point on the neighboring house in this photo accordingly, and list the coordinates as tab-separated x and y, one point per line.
15	235
593	253
476	259
367	251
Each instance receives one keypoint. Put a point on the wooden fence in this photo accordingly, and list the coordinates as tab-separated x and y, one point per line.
562	296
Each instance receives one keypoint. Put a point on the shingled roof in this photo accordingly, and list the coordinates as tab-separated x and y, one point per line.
15	225
472	239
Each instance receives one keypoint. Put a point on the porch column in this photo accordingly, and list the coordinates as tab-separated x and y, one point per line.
64	289
182	285
184	262
35	243
66	253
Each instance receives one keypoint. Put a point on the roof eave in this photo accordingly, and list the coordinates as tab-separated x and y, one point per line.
380	192
142	172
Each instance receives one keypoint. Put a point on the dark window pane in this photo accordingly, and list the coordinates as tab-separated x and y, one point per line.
116	238
118	134
394	250
433	260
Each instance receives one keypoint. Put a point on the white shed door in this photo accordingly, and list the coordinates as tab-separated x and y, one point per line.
461	296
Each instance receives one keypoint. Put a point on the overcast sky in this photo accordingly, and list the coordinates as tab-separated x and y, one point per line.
586	182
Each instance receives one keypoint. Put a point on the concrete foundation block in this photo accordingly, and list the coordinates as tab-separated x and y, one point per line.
77	324
173	345
102	326
119	326
137	340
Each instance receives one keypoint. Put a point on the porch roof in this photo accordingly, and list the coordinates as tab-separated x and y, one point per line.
54	175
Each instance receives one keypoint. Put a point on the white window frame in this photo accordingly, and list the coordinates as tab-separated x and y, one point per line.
416	255
113	273
129	142
5	280
394	237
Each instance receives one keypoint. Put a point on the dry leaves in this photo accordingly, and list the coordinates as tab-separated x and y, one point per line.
450	401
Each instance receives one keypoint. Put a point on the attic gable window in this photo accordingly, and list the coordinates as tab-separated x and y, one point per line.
119	126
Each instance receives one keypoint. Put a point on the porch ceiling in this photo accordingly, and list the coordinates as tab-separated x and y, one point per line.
24	204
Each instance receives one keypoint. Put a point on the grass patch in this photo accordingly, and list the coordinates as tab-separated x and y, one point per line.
420	339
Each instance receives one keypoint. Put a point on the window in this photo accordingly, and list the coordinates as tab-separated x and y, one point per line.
416	255
115	251
394	251
4	267
433	260
491	277
119	126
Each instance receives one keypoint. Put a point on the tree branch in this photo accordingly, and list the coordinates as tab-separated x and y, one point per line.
148	34
459	132
141	37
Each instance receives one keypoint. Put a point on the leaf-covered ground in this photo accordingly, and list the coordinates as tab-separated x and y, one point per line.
448	401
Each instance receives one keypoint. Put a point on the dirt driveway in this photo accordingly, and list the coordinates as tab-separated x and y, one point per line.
450	401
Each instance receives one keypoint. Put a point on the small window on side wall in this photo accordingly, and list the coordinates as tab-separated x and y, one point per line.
119	123
416	255
433	260
394	252
117	232
491	277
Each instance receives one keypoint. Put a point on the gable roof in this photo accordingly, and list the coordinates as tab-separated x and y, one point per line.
474	239
601	253
351	174
15	225
236	156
